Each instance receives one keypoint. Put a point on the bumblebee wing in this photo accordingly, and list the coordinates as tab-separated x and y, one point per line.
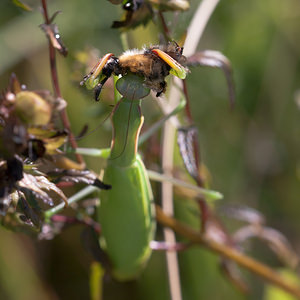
176	68
93	78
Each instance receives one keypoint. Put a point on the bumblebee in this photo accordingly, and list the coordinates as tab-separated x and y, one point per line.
153	64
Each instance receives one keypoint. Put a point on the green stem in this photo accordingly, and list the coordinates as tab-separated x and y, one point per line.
209	194
78	196
96	281
104	153
124	41
159	123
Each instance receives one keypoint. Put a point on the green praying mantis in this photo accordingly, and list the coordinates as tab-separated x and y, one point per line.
126	212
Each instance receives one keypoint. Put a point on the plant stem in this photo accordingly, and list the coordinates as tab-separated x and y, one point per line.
96	281
195	140
165	28
84	192
199	191
167	205
195	30
198	24
104	153
56	88
162	121
241	259
167	191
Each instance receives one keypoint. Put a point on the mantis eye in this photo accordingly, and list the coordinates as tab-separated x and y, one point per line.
176	68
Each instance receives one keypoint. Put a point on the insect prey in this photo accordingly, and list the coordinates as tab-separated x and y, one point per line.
153	64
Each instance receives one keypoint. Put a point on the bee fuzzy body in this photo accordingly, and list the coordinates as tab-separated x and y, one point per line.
148	66
152	64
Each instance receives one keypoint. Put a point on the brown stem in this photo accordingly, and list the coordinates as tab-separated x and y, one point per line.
165	28
45	11
205	213
187	106
204	209
56	87
241	259
195	140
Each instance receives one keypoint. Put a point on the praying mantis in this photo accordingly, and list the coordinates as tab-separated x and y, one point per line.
126	212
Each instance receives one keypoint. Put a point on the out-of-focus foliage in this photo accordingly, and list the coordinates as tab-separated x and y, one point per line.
22	5
27	133
252	152
31	161
273	293
140	12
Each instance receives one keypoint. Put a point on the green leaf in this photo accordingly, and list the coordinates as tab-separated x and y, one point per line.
274	293
22	5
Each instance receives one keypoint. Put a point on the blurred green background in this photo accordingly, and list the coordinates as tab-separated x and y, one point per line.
252	152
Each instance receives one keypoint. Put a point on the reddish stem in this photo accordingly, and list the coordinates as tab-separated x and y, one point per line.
204	209
187	106
166	30
45	10
195	141
205	212
56	88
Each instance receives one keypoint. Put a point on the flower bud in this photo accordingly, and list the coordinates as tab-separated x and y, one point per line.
32	108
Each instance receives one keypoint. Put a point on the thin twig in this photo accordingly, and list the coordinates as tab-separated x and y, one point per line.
195	31
78	196
196	147
187	107
165	28
198	191
241	259
198	24
167	204
56	87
